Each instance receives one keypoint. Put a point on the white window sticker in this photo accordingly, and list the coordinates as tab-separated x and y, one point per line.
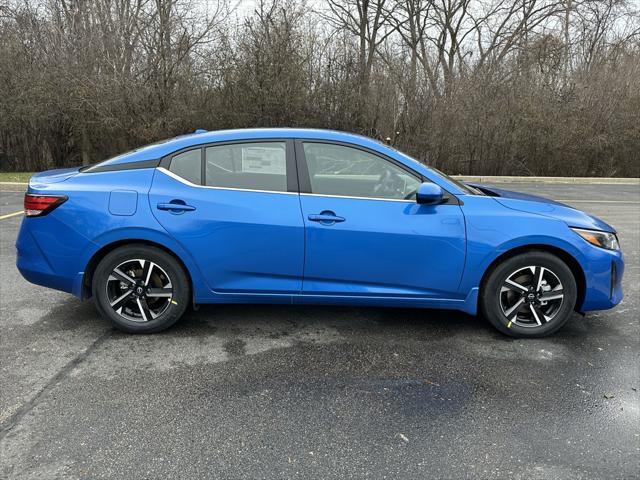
267	160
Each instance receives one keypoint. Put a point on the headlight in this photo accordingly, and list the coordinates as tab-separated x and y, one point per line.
599	239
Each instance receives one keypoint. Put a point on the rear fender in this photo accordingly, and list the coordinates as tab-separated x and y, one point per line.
115	238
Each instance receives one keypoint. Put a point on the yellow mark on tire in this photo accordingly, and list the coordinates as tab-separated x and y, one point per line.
9	215
174	302
509	324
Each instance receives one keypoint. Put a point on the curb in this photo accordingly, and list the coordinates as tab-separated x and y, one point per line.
565	180
13	186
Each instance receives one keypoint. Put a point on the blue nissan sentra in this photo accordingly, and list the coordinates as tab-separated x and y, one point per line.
300	216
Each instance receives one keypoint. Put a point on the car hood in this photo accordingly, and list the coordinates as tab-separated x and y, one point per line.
53	176
525	202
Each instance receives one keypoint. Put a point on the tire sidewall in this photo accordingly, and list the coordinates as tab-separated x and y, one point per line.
490	298
179	281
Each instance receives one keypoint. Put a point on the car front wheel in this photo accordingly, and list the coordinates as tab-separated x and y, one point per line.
141	289
529	295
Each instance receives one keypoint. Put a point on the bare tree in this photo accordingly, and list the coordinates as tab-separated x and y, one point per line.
370	21
471	86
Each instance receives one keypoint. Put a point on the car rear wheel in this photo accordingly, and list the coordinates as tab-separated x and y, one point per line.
141	289
529	295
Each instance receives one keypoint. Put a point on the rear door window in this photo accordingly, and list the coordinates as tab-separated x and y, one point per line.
247	166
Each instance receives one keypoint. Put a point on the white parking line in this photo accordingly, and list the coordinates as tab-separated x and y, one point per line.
9	215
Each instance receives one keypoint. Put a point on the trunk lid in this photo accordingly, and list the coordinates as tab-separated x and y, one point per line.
52	176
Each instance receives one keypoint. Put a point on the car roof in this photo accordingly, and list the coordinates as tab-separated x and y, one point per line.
158	150
165	147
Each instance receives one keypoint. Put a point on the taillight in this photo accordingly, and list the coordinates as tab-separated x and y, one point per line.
39	205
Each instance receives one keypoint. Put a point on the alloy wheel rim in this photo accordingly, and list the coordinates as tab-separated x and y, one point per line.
531	296
139	290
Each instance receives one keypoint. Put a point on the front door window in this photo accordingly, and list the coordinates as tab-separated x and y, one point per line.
350	172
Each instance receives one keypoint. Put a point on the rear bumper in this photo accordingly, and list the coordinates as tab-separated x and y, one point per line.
45	279
56	268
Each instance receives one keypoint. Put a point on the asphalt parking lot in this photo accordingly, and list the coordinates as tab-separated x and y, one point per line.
317	392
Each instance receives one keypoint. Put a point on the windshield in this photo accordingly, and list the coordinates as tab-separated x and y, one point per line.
468	189
462	186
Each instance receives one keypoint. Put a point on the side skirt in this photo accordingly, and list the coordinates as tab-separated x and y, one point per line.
467	305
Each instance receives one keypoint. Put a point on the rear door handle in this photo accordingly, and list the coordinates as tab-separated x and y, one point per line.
326	217
176	206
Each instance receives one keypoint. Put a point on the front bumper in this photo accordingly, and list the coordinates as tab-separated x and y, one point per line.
603	280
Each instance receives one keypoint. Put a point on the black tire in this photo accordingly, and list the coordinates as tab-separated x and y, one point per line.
163	298
499	297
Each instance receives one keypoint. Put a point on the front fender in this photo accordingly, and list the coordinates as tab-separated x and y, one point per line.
493	230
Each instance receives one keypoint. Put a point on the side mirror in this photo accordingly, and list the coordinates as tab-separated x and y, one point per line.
429	194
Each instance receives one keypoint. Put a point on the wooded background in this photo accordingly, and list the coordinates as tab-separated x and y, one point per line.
511	87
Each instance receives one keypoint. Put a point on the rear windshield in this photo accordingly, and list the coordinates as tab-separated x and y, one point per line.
138	149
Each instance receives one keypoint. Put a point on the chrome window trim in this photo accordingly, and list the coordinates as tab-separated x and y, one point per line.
358	198
187	182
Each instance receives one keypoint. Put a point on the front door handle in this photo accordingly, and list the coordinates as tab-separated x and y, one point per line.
326	217
176	206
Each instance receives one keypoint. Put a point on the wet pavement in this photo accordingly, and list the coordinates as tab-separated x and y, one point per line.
319	392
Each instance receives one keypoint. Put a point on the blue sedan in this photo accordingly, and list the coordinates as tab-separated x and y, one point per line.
300	216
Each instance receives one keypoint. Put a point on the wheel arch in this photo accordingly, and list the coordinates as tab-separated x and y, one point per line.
106	249
566	257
